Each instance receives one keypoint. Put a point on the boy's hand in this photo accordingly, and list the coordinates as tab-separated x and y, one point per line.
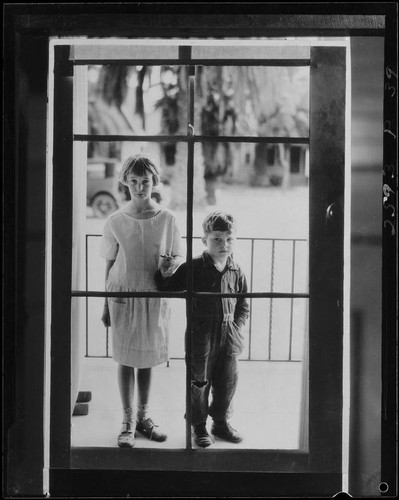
167	265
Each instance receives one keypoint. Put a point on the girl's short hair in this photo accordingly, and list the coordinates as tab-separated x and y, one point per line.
219	221
139	165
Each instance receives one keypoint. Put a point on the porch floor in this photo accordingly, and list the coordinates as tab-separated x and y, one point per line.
266	409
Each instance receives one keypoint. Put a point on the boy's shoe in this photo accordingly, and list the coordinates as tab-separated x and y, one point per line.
223	430
201	436
126	438
147	428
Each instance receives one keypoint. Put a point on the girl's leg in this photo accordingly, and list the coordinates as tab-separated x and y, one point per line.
126	385
143	392
145	425
126	388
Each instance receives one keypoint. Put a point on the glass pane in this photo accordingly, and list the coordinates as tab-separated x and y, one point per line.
271	248
276	331
94	368
98	375
137	100
265	187
268	403
259	101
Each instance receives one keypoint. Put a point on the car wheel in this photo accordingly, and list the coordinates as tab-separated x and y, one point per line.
276	180
103	204
156	196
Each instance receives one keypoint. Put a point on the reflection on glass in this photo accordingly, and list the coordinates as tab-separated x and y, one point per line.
137	100
257	101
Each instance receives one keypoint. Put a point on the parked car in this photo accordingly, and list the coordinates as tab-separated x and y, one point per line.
105	193
102	186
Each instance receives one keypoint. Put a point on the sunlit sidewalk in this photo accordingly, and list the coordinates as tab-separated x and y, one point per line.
266	406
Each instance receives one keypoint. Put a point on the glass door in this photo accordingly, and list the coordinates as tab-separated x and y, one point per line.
261	134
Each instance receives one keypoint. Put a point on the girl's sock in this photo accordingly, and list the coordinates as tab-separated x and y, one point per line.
142	412
128	414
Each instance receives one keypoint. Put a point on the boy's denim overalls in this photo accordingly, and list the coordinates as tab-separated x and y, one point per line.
216	339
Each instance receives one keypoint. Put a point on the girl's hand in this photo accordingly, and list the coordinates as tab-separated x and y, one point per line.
105	318
167	265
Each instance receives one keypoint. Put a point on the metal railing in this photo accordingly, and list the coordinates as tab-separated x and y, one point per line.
290	270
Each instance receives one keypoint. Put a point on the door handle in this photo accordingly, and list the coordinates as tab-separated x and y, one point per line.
331	212
334	213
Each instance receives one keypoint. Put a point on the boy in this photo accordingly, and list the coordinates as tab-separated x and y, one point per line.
216	339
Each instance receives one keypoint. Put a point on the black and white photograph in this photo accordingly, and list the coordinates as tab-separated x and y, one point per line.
200	241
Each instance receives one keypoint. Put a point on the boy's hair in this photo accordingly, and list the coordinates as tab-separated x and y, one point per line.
219	221
139	165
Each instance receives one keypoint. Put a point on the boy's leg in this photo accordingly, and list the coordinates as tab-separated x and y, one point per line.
200	386
199	390
199	404
200	370
224	384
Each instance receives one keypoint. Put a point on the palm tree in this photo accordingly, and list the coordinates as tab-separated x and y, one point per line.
105	114
280	104
173	105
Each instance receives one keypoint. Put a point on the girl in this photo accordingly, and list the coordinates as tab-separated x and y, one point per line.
134	239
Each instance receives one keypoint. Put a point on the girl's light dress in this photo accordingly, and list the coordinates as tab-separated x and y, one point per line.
139	326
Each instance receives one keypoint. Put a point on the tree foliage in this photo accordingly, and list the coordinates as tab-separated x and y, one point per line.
243	100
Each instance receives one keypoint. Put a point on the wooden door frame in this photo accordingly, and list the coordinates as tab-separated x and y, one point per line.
325	409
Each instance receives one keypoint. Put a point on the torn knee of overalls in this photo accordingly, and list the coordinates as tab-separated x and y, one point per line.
199	384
